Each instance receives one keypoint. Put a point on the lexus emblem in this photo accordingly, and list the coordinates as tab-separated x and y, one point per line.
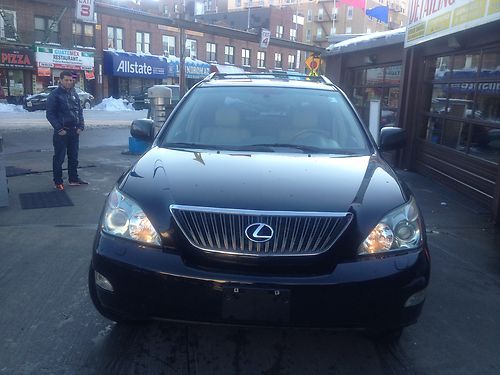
259	232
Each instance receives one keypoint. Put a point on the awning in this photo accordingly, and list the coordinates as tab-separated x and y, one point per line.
194	68
134	65
228	69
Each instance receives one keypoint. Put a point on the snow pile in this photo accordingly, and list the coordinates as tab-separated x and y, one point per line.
11	108
113	105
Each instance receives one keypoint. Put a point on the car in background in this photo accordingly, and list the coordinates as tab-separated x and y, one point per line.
39	101
262	200
141	101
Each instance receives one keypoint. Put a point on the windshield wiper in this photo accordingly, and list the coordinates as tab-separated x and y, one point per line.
189	145
303	148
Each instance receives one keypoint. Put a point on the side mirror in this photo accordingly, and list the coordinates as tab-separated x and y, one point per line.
143	129
391	138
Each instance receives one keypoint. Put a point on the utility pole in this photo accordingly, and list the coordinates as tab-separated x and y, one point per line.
182	57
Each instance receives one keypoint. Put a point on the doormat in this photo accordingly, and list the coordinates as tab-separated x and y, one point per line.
44	200
12	171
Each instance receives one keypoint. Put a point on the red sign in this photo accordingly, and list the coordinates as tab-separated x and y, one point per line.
16	58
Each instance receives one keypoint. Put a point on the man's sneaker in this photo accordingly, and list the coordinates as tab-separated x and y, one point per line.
59	186
78	182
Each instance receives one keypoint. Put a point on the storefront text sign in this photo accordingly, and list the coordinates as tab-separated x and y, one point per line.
124	64
430	19
20	58
64	59
85	10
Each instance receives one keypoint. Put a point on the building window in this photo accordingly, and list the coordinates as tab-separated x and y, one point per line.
348	30
309	15
293	35
115	38
168	44
308	35
350	13
320	14
8	25
245	57
191	49
279	31
229	54
291	62
335	12
142	42
211	52
261	59
237	3
277	61
46	30
463	103
83	34
319	33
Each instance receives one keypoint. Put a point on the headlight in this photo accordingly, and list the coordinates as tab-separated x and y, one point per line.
124	218
399	229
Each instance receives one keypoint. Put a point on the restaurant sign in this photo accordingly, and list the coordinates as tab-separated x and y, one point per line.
64	59
16	58
431	19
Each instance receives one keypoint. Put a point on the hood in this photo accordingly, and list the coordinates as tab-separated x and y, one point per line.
262	181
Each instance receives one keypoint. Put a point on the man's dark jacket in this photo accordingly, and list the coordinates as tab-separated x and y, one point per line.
64	110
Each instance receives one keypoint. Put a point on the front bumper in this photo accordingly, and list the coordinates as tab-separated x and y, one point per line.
149	283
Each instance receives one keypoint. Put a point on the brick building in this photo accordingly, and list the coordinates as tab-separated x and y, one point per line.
47	37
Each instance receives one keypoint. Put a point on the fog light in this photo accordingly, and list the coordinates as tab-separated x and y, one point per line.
102	282
415	299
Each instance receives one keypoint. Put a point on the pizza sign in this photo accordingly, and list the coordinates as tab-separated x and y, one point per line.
85	10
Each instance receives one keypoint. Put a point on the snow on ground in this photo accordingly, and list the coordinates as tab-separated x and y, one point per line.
11	108
113	105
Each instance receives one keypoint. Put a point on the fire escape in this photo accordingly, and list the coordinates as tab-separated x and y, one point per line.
54	22
324	21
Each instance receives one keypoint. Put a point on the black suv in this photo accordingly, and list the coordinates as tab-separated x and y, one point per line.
263	200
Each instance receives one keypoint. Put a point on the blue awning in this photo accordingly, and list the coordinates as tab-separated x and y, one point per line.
194	68
128	64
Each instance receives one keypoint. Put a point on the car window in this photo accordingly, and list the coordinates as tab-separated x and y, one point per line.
233	117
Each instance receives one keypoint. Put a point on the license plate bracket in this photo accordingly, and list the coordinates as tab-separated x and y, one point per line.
249	304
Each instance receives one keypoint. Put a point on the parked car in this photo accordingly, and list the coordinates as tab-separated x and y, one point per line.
141	101
263	200
39	101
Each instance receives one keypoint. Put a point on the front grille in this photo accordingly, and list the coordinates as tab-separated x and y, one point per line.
293	233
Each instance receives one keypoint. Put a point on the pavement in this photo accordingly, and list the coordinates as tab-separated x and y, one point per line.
54	244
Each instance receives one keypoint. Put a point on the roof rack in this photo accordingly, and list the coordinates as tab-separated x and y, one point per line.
279	75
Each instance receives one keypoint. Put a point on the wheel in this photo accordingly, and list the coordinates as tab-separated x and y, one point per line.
111	315
87	105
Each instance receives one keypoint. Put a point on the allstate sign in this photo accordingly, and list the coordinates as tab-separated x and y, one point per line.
125	64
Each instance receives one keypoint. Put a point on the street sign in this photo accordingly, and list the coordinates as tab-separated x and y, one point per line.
313	63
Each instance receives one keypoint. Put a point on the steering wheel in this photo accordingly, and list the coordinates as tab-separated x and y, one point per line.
304	132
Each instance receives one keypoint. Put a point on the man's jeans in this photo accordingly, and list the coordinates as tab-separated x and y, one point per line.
62	144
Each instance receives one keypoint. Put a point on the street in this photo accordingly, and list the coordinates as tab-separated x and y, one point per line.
48	324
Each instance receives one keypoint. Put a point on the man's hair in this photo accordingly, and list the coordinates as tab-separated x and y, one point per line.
65	73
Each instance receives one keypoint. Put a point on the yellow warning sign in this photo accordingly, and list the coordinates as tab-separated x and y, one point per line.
313	63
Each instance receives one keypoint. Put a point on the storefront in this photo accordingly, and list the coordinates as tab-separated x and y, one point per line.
196	70
369	69
129	74
51	62
451	103
16	69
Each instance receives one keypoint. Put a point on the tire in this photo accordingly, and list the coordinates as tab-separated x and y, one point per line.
108	314
87	104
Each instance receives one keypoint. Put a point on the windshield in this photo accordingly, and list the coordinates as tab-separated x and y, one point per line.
266	119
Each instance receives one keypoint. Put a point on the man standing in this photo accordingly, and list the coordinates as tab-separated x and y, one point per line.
65	114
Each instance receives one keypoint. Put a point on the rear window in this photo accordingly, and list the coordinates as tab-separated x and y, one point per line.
246	117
